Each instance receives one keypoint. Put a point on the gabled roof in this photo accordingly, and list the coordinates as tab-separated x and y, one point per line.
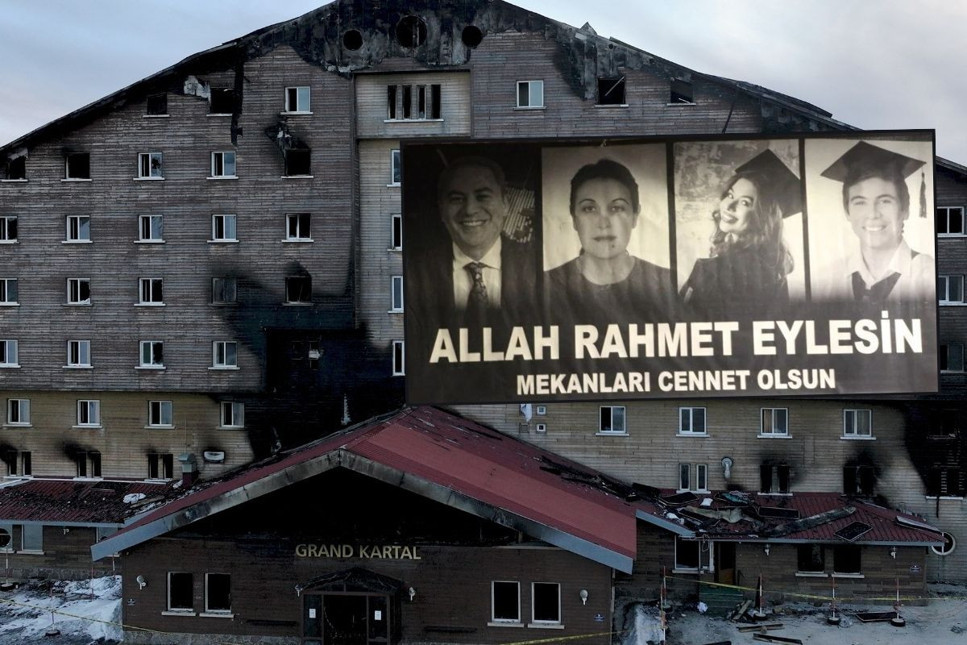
442	457
86	502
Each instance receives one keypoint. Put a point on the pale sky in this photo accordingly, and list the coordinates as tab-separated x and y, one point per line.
875	64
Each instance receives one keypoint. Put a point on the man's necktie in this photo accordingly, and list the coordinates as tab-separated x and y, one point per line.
477	302
878	293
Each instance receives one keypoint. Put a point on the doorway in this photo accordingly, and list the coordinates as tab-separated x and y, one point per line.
345	619
725	558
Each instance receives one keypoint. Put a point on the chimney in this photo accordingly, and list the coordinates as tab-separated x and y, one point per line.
189	469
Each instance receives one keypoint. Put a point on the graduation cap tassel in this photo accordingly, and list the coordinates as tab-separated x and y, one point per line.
923	195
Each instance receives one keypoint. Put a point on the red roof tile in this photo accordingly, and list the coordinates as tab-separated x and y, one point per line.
75	501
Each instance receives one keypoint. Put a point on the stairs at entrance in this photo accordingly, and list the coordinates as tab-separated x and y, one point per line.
720	600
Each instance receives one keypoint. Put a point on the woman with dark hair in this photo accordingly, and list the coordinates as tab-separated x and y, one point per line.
605	282
745	273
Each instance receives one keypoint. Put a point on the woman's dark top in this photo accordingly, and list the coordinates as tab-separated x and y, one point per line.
739	283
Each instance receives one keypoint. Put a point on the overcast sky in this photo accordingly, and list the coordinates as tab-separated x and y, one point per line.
875	64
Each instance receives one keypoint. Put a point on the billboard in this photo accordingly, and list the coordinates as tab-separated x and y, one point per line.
610	270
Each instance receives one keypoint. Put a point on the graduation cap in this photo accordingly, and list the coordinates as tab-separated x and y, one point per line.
865	160
778	179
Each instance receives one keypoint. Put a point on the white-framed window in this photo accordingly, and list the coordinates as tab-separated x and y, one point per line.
414	102
691	421
396	232
160	414
150	228
218	593
298	289
297	227
9	354
950	289
151	291
232	414
396	293
8	229
612	420
530	94
297	99
18	412
181	592
224	290
693	477
150	165
546	603
693	556
78	353
775	422
152	354
78	291
399	348
395	168
161	465
77	165
857	423
78	228
505	601
8	291
951	357
223	164
950	220
225	354
89	413
223	228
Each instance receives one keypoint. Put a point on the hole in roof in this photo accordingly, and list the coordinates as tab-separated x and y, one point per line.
411	31
471	36
352	40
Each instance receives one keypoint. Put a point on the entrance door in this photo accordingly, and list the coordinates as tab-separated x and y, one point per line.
345	619
725	559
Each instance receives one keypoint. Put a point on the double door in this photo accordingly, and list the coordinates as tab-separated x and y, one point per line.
345	619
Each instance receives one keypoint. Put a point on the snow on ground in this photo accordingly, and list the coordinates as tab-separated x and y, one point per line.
84	611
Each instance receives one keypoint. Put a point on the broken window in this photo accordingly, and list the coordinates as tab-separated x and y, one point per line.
8	229
471	36
88	464
298	162
950	220
857	423
297	99
160	414
811	558
298	289
944	424
396	232
297	227
156	104
692	555
224	290
413	102
847	558
681	91
15	169
691	421
611	91
411	31
530	94
222	101
859	479
78	291
180	591
26	463
505	601
774	478
612	419
546	603
161	465
951	357
775	422
152	354
151	291
223	164
398	356
150	165
77	165
945	482
218	592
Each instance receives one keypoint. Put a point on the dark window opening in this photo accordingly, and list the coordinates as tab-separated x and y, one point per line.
161	466
859	480
298	289
157	104
774	478
945	482
15	168
681	91
847	558
411	31
9	457
224	290
88	464
26	463
811	558
391	101
950	220
547	602
180	591
611	91
352	40
78	165
471	36
407	101
506	601
218	593
951	357
298	161
944	424
222	101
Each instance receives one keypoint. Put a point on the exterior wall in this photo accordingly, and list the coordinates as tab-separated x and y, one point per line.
66	555
452	601
372	105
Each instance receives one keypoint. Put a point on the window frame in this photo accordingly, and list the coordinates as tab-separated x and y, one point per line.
947	212
88	413
543	622
161	414
156	105
689	412
944	283
6	237
296	160
151	354
224	282
77	229
231	414
529	85
944	362
79	354
802	556
82	166
9	349
397	298
842	549
5	292
395	168
703	565
696	484
494	619
219	98
772	433
407	102
161	465
146	225
396	232
75	291
398	349
188	592
301	295
153	288
850	426
22	407
219	611
609	428
287	100
220	164
224	355
224	218
148	169
294	225
607	85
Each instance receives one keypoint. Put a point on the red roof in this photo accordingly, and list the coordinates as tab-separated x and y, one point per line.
75	501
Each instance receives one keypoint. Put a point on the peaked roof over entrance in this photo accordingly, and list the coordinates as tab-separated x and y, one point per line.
442	457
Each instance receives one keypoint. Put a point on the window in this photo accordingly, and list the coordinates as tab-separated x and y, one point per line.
223	164
78	228
18	463
298	162
14	169
396	293
233	414
413	102
611	91
945	482
775	422
701	477
26	463
951	357
859	479
685	480
180	592
152	354
225	354
78	353
8	291
396	232
297	227
847	558
89	413
530	94
32	537
398	355
18	412
150	165
160	414
8	229
298	289
223	228
691	421
297	99
218	592
78	291
150	228
222	101
681	91
8	353
612	419
161	465
857	423
810	558
505	601
77	165
224	290
774	478
151	291
692	555
546	602
395	168
950	220
156	105
950	289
